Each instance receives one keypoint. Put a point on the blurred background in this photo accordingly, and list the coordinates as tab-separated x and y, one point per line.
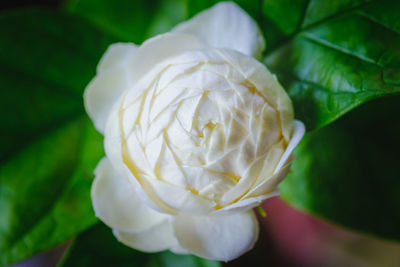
288	237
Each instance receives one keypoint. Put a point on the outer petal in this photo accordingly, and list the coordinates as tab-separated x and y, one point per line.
159	48
217	237
111	80
116	203
117	54
156	238
226	25
298	132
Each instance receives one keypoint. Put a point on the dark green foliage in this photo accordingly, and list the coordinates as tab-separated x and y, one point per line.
49	147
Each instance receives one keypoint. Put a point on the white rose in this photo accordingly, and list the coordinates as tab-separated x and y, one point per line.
197	133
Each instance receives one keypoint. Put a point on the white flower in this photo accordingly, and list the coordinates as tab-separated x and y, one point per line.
197	132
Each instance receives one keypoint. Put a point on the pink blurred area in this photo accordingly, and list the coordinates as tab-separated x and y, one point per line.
293	238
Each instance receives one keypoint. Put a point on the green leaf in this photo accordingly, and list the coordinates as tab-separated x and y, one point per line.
274	27
347	172
49	147
252	7
136	21
343	54
98	247
130	21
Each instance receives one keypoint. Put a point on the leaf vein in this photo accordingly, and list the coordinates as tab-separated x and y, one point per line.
289	38
327	44
365	16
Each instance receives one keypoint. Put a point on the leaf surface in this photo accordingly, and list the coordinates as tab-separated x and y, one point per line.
49	147
343	54
130	21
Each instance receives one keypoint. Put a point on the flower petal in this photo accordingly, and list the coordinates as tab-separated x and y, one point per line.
226	25
156	238
217	237
155	193
163	46
269	187
298	132
113	148
266	84
247	203
111	80
270	184
181	199
116	54
116	203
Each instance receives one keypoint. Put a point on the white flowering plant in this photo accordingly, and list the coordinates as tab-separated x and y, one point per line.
197	132
201	108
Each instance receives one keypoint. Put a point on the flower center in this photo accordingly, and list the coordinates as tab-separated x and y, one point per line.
204	127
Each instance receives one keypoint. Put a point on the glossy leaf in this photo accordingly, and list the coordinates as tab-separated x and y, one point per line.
252	7
343	54
136	21
98	247
49	147
347	172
